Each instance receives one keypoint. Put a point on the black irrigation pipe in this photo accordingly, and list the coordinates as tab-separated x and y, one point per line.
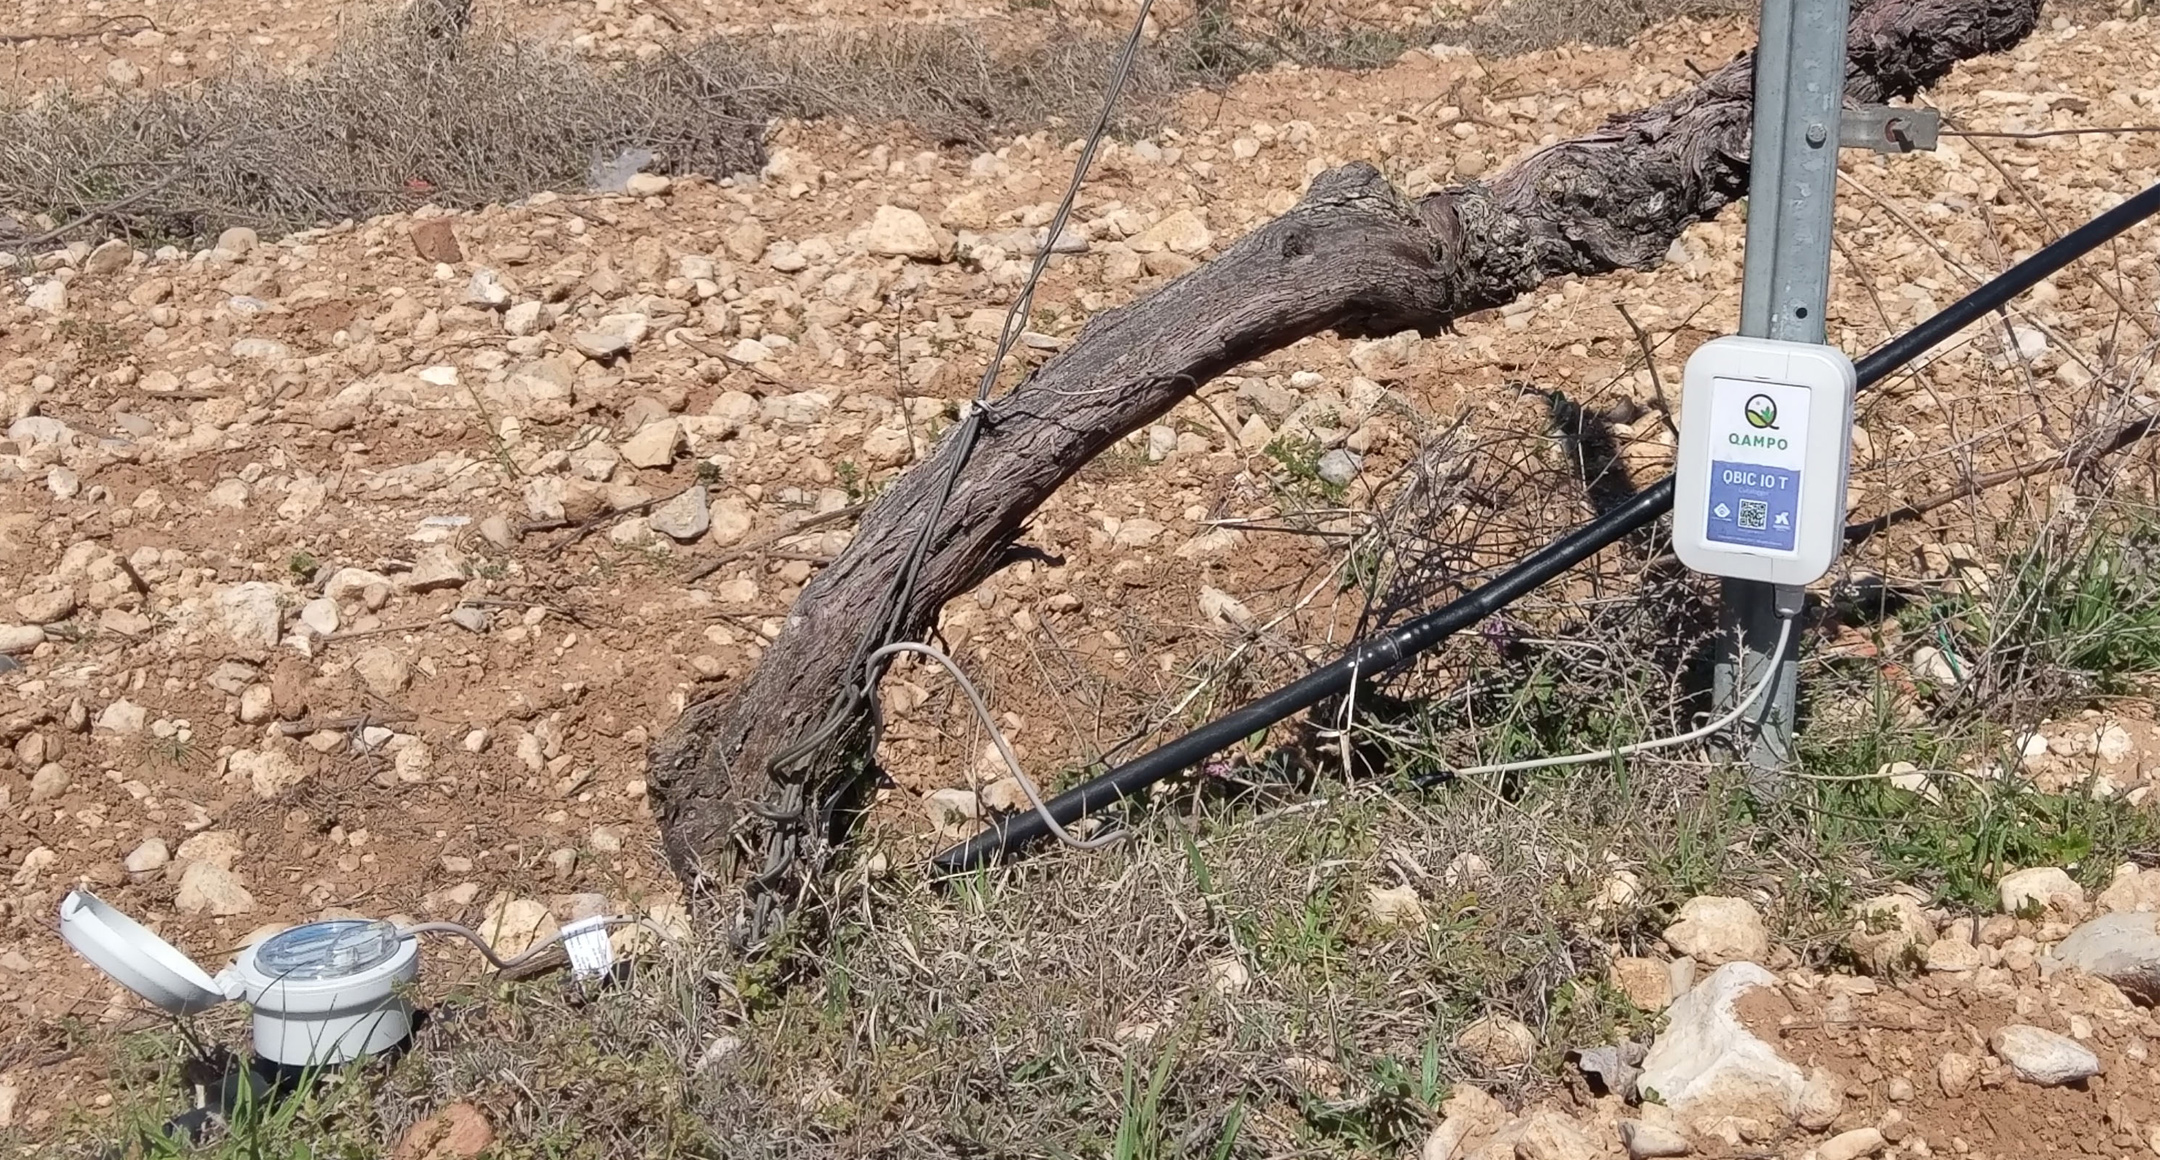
1008	836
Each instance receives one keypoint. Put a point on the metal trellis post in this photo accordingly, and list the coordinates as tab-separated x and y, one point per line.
1799	91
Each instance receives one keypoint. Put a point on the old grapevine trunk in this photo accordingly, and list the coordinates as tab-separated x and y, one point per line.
1356	257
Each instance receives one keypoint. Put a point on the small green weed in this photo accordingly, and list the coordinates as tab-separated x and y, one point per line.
1299	457
2090	614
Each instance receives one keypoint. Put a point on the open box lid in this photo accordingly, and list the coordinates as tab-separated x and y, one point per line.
136	958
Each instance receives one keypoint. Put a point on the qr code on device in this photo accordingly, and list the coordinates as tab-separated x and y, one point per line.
1754	514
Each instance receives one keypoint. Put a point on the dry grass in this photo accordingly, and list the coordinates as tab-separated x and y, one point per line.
402	112
399	113
1519	26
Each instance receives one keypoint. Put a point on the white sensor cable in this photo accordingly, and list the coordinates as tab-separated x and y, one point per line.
997	737
535	951
1755	694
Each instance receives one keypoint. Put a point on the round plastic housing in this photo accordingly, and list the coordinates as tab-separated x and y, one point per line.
333	949
324	993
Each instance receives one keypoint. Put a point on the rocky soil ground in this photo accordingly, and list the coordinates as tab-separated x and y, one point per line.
351	571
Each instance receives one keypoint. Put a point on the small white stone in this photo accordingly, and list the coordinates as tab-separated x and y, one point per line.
1497	1042
208	888
685	517
2044	887
257	705
124	717
320	615
1851	1145
147	858
1647	1141
1395	905
902	233
48	298
951	809
1719	930
1936	666
486	290
50	781
2043	1057
653	445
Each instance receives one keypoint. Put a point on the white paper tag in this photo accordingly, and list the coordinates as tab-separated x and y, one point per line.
586	942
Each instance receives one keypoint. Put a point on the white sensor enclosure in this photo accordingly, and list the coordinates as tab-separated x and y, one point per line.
323	993
1765	451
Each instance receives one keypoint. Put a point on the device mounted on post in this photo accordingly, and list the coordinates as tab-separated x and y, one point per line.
1765	451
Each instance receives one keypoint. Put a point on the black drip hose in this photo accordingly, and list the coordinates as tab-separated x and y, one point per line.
1007	836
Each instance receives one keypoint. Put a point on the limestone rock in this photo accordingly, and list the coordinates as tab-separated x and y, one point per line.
1339	466
952	810
1467	1117
1222	608
1181	232
1647	983
50	781
2043	1057
1498	1041
269	772
20	638
1851	1145
653	445
601	345
685	517
384	671
1952	955
2131	890
146	859
110	257
1707	1066
2122	948
437	568
321	616
1719	930
902	233
1551	1135
487	291
46	607
49	298
1955	1073
122	716
731	520
513	925
220	848
251	616
1890	932
1647	1141
1395	905
208	888
2048	888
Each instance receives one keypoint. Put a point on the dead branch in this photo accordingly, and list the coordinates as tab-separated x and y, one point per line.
92	33
2078	459
754	546
1356	257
